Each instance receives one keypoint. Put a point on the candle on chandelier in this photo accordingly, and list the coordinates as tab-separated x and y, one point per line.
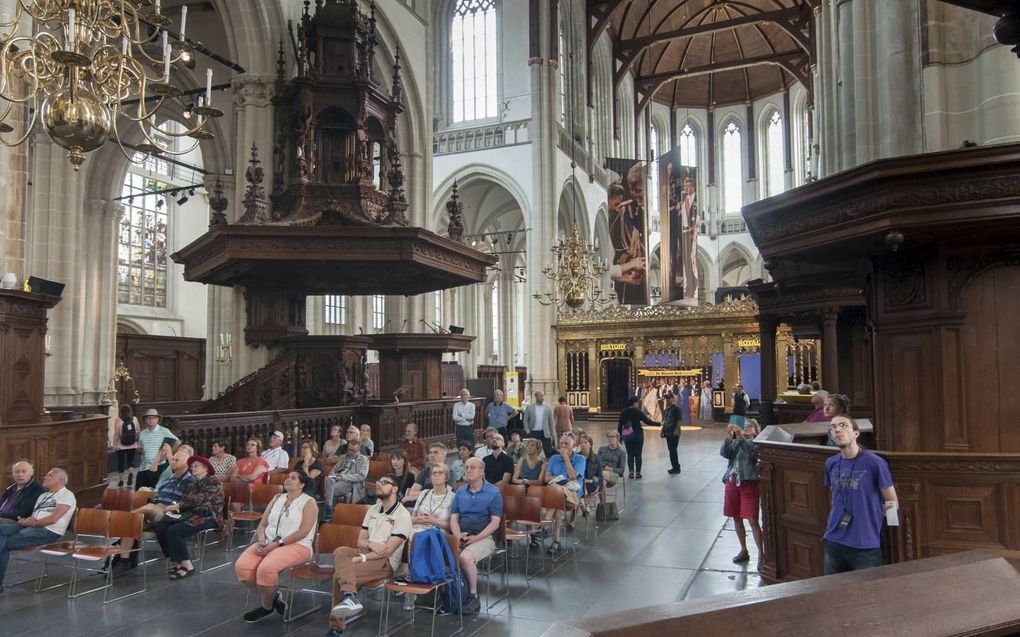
166	59
124	46
184	19
208	86
70	28
158	2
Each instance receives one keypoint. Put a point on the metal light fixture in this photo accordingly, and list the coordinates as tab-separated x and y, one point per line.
91	67
576	274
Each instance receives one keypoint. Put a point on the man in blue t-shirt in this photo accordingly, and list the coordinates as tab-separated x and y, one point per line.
474	518
862	490
497	413
566	469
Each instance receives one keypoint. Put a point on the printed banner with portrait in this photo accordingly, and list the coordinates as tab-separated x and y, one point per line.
628	231
681	211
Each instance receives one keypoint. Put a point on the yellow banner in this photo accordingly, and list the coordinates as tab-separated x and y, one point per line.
670	373
749	342
512	396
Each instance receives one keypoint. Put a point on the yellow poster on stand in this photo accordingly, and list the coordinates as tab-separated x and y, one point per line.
512	396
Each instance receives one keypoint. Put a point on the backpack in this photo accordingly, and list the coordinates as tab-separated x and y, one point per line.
431	562
128	433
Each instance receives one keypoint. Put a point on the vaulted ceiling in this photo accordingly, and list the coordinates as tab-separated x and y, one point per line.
699	53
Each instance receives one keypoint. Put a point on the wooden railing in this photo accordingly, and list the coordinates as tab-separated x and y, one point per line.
434	420
948	502
271	387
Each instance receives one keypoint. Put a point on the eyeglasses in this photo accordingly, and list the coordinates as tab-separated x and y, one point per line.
385	482
840	425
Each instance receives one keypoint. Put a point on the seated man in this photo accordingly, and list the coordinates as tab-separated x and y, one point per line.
386	527
169	472
565	471
486	447
276	455
348	476
19	498
614	461
49	518
169	493
474	517
499	466
423	481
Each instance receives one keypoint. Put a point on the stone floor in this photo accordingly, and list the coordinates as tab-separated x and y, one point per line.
671	543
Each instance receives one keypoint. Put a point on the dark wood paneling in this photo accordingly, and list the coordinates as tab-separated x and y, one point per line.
22	355
163	368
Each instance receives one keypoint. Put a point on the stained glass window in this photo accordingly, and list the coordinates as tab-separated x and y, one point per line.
142	244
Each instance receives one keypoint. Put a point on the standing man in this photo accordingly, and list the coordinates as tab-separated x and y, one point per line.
498	413
474	517
741	402
540	424
276	455
464	418
151	439
18	499
386	527
671	431
862	490
49	519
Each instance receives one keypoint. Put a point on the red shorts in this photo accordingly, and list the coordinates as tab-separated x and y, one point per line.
742	501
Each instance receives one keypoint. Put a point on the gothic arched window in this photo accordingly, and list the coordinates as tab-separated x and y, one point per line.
653	169
774	156
688	146
473	59
732	169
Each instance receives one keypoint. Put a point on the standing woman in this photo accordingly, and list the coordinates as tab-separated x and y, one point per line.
283	539
741	478
705	405
200	508
125	443
629	427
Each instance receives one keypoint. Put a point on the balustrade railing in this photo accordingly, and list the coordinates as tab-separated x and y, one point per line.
462	140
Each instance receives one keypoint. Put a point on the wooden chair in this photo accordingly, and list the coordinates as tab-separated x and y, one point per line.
419	589
499	537
141	498
350	514
202	542
382	456
123	525
117	499
261	496
293	463
525	511
376	470
88	523
331	537
506	489
553	500
277	478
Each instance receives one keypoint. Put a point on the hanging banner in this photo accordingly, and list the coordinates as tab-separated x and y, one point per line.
628	231
511	396
678	201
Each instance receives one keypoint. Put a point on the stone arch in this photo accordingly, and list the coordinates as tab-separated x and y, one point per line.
253	29
733	257
128	326
570	207
465	178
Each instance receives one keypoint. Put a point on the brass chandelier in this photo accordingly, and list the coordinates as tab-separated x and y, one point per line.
96	66
575	274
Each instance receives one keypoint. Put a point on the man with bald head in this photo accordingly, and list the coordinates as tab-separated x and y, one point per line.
19	498
474	517
50	514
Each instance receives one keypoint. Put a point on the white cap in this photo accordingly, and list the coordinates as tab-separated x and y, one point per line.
280	434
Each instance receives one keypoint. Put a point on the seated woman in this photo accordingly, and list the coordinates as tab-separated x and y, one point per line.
250	469
432	509
310	466
200	508
367	445
592	473
413	448
401	469
221	461
530	467
331	448
465	450
282	539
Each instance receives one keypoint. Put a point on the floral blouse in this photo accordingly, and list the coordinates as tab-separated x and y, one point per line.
202	502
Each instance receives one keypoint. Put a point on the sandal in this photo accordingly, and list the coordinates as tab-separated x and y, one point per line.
182	573
554	548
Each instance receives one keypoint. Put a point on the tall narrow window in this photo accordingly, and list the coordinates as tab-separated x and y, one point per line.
377	165
378	312
733	169
688	146
562	75
334	309
774	156
142	243
653	172
473	59
437	317
494	305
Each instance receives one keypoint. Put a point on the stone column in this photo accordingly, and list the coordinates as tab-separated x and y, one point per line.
767	327
830	349
897	79
99	319
220	311
594	375
845	123
730	363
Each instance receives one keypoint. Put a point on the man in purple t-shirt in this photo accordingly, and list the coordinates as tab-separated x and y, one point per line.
862	489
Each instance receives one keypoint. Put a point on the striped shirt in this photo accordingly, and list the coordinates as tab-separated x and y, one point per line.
172	490
151	441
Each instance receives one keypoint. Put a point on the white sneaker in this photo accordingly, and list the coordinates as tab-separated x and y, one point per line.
348	607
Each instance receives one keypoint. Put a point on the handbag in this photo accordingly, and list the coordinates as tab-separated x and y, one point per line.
628	430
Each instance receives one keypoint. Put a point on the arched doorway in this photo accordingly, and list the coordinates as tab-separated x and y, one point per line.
617	376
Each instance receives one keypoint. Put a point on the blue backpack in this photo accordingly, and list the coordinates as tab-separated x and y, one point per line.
431	562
